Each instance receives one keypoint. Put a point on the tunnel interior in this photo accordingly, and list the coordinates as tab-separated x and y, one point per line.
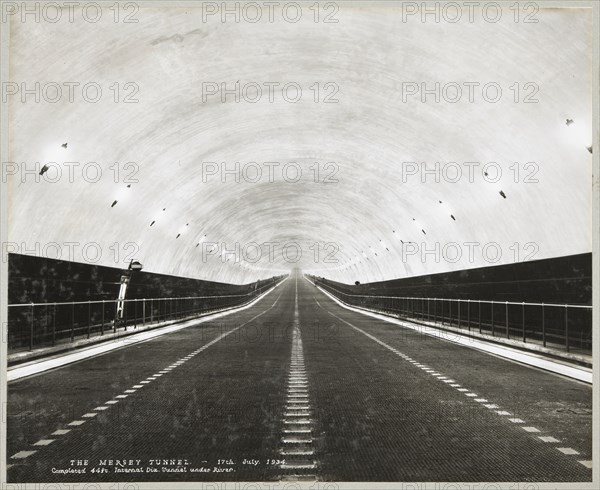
334	242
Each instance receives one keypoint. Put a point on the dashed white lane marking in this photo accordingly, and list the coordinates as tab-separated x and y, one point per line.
548	439
300	466
23	454
587	464
468	393
567	450
126	393
44	442
297	440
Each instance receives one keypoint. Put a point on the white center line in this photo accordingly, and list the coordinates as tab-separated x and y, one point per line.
298	422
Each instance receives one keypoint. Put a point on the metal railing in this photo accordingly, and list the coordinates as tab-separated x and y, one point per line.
34	325
566	326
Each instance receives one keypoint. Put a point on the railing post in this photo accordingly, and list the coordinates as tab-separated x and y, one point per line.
102	327
523	320
543	326
459	313
89	318
53	324
72	321
567	327
507	326
479	311
493	332
469	314
31	329
151	310
144	311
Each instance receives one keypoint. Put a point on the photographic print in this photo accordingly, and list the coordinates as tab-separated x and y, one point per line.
299	245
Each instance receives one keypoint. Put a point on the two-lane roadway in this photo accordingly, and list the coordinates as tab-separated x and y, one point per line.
298	387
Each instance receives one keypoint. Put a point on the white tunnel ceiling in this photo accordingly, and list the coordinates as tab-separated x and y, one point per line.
369	133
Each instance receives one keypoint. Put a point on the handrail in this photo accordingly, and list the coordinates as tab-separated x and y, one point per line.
137	299
455	299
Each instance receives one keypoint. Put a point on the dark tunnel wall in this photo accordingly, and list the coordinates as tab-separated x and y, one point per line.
557	280
44	280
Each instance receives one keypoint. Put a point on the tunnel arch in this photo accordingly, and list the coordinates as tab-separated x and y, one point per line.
373	138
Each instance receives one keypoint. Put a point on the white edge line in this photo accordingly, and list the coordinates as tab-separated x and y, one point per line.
506	352
21	372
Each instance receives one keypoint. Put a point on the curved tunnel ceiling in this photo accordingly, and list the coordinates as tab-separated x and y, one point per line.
372	214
